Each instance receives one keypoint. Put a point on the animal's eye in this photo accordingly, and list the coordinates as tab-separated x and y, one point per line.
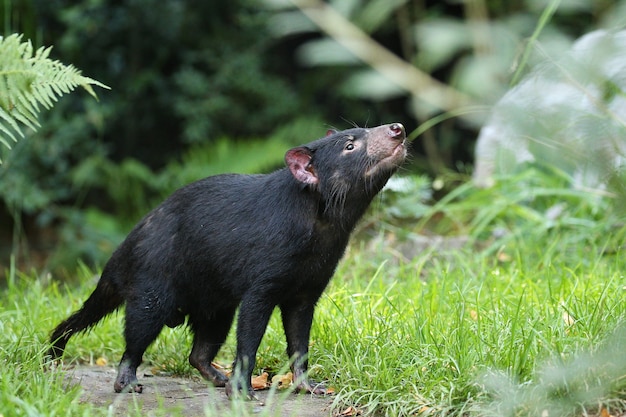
349	146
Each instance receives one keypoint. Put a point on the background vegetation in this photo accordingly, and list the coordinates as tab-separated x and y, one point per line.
190	77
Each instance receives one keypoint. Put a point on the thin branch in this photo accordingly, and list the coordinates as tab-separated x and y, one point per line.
394	68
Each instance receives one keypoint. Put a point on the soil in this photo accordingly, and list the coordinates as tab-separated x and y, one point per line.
183	396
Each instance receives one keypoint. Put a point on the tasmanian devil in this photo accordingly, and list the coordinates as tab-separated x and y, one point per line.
251	242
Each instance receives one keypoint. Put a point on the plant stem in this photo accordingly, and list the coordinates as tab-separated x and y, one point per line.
394	68
543	21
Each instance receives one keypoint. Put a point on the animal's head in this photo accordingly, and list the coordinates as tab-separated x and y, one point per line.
349	167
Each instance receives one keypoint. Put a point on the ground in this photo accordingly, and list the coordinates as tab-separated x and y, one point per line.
189	396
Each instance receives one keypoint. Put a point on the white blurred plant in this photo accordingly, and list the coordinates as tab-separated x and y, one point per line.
560	387
568	113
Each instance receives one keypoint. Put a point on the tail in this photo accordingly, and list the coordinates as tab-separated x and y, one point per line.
104	300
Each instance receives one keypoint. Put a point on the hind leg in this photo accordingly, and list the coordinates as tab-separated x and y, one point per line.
209	335
143	325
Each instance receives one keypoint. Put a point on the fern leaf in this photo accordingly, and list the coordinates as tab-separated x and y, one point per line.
30	79
6	132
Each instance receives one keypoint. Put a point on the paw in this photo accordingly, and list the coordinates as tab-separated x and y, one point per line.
126	381
233	392
311	387
218	379
211	374
129	388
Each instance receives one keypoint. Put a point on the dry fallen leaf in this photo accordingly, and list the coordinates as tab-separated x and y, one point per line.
349	412
503	257
217	366
226	371
283	381
605	413
474	315
260	382
569	320
101	361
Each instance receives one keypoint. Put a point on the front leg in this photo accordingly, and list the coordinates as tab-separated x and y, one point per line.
297	321
254	315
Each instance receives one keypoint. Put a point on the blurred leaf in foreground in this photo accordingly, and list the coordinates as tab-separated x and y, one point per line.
568	113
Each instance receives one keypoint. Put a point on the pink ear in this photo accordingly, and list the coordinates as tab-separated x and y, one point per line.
299	162
330	132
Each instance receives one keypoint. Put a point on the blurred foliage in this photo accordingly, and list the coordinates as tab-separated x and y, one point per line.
535	204
224	92
477	48
177	68
407	197
568	113
200	86
253	155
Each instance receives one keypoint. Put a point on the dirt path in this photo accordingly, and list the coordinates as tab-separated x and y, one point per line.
183	396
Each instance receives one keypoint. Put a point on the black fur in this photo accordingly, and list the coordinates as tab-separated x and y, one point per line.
248	241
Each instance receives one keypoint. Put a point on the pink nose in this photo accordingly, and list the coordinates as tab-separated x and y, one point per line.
396	130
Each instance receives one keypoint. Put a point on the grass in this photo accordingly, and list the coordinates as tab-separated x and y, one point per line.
407	345
529	326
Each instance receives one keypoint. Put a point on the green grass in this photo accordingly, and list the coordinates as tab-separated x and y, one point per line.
530	326
425	336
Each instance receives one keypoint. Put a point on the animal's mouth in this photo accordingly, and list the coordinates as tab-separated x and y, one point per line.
399	149
390	162
387	149
398	153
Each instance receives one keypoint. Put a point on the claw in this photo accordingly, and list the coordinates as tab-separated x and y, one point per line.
128	388
234	392
311	387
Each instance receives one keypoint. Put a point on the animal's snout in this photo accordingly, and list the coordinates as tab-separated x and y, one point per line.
396	130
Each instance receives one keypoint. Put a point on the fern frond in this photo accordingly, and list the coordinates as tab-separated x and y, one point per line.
28	80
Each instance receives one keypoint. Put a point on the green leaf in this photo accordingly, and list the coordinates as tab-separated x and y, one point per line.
371	84
439	40
375	13
11	122
28	79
